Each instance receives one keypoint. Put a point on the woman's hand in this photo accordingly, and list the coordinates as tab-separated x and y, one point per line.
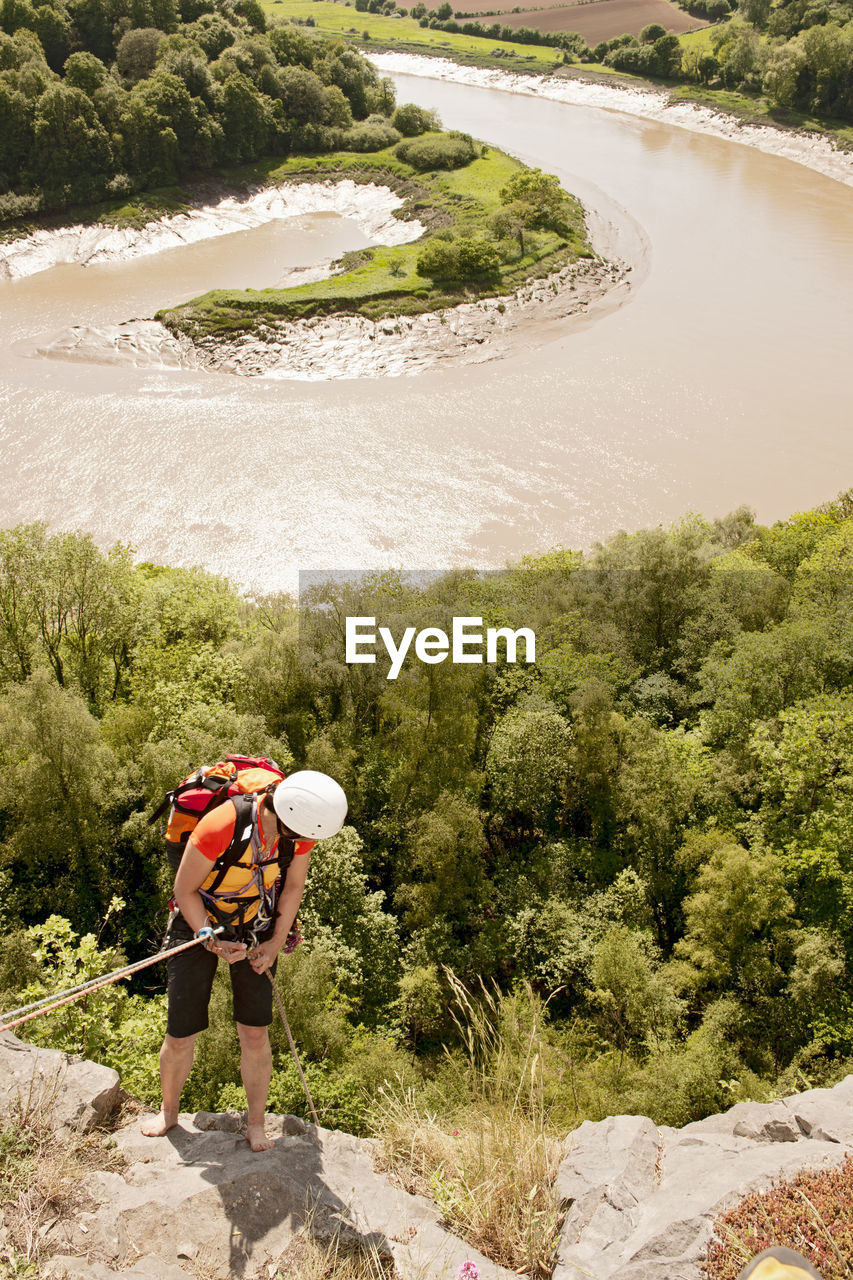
230	951
262	956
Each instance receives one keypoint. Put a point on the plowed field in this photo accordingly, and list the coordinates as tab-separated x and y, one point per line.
599	20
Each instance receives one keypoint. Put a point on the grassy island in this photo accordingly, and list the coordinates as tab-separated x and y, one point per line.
491	223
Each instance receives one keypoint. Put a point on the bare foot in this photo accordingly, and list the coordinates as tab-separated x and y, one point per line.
257	1138
156	1126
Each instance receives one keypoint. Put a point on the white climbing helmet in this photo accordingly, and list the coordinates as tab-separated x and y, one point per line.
311	804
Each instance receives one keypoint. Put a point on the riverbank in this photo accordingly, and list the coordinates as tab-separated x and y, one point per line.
330	348
372	207
815	153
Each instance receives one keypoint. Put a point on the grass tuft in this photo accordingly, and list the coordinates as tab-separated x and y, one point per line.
42	1180
490	1161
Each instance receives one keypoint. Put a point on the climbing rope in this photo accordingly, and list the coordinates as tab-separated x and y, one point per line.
293	1048
47	1004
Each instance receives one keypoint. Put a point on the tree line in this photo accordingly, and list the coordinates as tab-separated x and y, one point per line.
798	54
648	830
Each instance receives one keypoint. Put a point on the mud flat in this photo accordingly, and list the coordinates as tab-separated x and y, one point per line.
814	152
372	207
336	347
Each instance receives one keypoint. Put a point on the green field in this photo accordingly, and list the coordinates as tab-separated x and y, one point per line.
382	281
407	36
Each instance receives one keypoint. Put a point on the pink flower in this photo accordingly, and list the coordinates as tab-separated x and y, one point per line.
468	1271
456	1135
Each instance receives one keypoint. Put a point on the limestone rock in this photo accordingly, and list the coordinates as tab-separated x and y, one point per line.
68	1267
200	1199
635	1217
79	1094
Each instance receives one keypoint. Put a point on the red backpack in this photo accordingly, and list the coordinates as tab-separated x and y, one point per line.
208	787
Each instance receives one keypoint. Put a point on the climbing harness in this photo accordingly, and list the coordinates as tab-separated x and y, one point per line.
47	1004
293	1048
234	886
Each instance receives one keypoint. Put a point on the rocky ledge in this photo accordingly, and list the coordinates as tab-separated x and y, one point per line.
343	346
640	1199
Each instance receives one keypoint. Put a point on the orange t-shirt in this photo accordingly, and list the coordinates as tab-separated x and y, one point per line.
215	831
212	836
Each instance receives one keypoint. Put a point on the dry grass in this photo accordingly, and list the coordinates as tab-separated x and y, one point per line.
811	1214
491	1170
339	1258
342	1256
42	1179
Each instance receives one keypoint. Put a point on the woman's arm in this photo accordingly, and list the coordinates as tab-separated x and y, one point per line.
192	873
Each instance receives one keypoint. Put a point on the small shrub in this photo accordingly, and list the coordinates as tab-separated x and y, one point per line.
369	137
13	207
438	151
411	120
458	259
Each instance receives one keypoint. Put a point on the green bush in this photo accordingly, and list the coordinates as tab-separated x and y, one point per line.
14	206
461	259
368	136
337	1096
438	151
411	120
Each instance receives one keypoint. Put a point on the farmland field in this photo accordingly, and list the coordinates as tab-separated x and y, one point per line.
599	20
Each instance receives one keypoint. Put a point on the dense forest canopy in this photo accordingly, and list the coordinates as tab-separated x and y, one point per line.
649	828
102	98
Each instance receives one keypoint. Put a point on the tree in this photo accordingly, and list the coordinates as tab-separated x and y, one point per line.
85	71
764	672
54	776
444	882
755	11
149	149
528	766
421	1000
19	556
411	120
658	788
247	119
781	80
347	923
540	199
636	1007
303	95
136	54
71	148
53	28
739	923
738	50
668	53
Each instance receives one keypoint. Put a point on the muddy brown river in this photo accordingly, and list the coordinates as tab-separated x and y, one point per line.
723	378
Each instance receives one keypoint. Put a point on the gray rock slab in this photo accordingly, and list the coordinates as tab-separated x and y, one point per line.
76	1094
150	1267
199	1195
634	1218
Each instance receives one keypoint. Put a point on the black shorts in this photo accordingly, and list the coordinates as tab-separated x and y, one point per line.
191	977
